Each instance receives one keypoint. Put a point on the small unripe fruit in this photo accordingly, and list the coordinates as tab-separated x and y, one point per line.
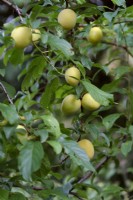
70	105
87	146
22	134
89	103
67	18
22	36
36	35
95	35
72	76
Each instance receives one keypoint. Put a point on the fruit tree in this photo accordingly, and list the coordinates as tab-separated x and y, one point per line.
66	100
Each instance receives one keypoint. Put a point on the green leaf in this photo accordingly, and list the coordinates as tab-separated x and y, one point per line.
57	192
80	1
112	189
49	93
4	194
9	113
16	190
126	147
7	56
120	71
110	15
102	97
17	56
130	104
60	44
10	89
51	123
56	146
119	2
9	131
109	121
17	196
2	72
30	158
78	156
112	87
35	70
2	48
42	133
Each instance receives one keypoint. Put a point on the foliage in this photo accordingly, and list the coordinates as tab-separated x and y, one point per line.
47	162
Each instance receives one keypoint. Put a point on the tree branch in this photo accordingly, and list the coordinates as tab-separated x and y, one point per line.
90	173
67	3
98	167
4	89
15	8
117	45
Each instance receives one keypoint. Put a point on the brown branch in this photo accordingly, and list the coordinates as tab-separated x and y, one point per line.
118	45
15	8
67	3
98	167
90	173
6	93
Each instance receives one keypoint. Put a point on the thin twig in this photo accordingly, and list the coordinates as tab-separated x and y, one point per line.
90	173
98	167
118	45
15	8
4	89
67	3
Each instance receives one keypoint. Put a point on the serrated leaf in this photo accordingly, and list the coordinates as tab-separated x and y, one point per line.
61	45
49	93
35	70
126	147
102	97
79	157
4	194
51	123
56	146
9	113
109	121
30	158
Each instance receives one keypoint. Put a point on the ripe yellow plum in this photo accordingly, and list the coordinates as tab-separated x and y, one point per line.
87	146
70	104
95	35
89	103
67	18
72	76
22	36
21	133
36	35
